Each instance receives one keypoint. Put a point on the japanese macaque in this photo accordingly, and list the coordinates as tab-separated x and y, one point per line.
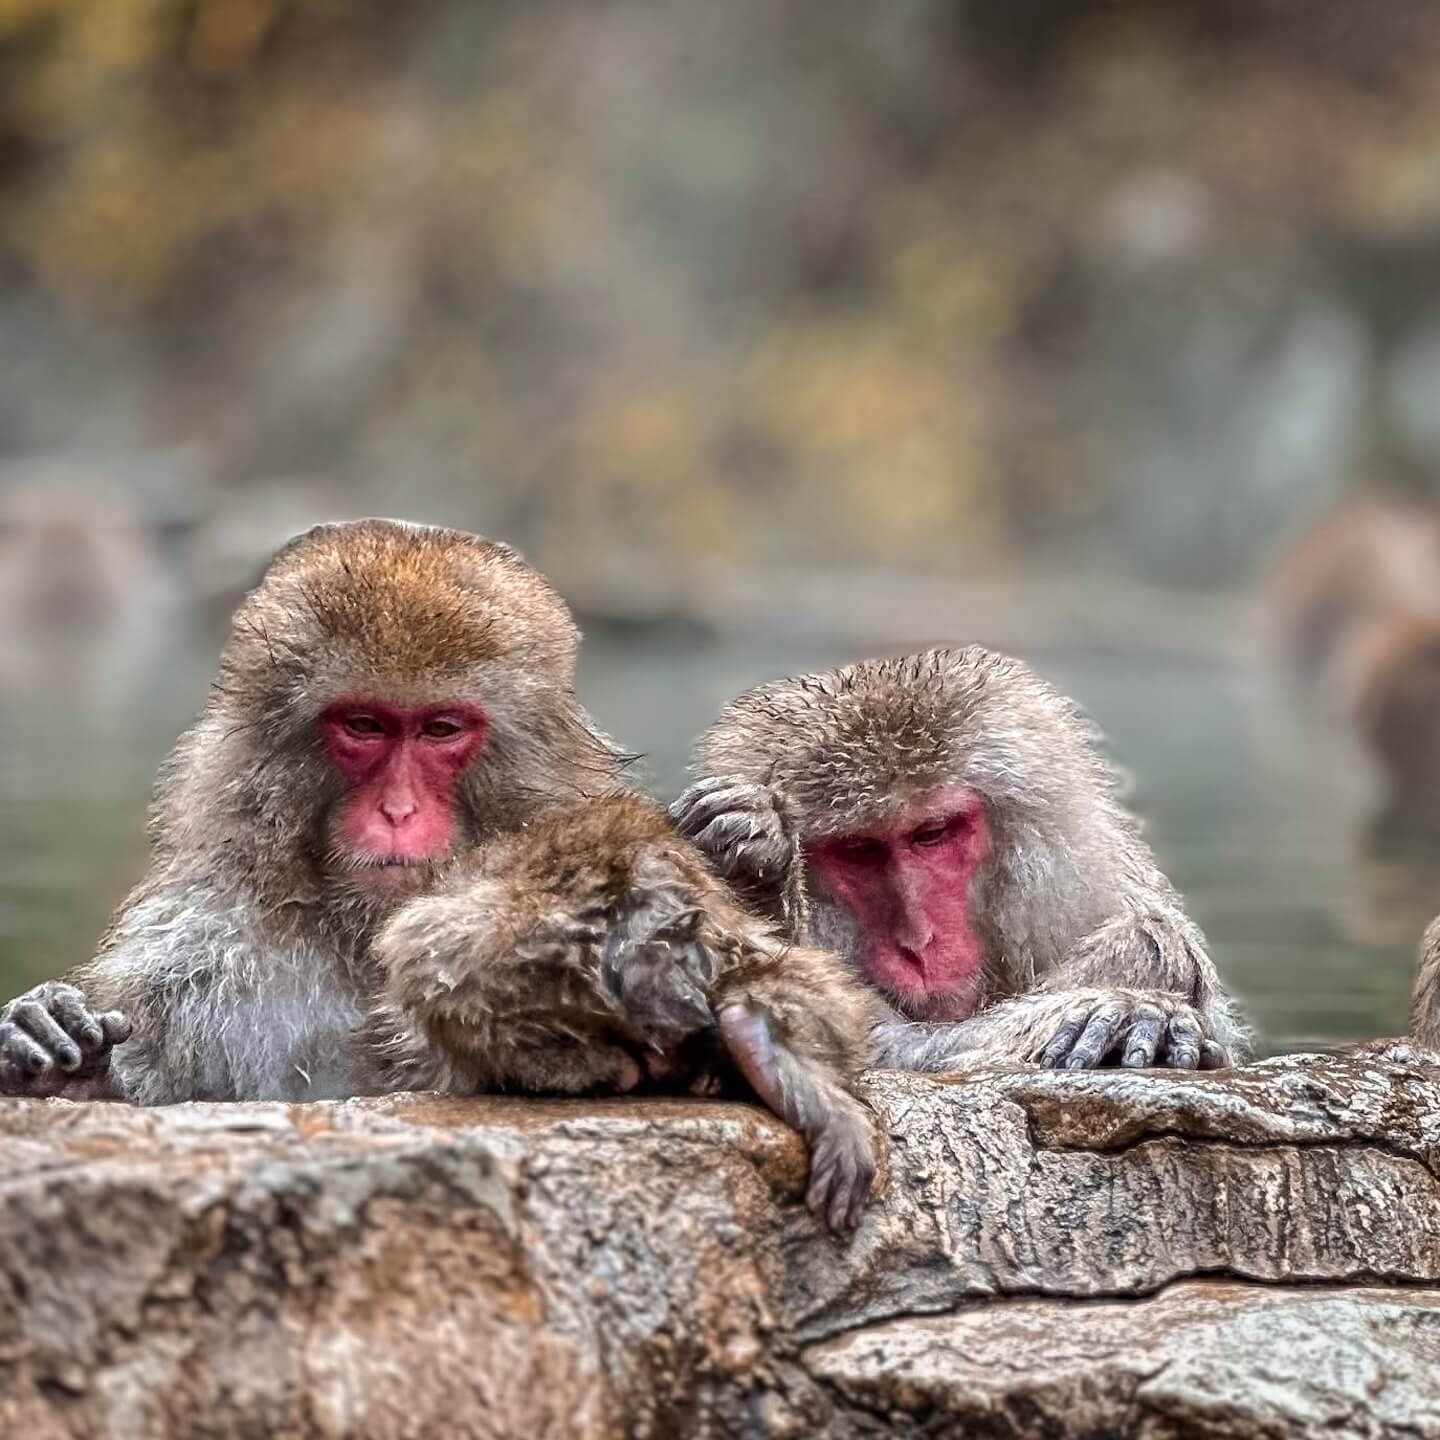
394	706
1355	602
594	950
946	822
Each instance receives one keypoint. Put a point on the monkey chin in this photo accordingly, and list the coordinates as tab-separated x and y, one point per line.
386	880
928	998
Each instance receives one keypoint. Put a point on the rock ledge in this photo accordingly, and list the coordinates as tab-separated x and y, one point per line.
1255	1252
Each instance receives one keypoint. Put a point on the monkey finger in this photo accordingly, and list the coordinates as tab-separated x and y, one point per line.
67	1005
1147	1027
1098	1037
1182	1050
1213	1056
706	785
42	1027
728	833
732	799
21	1054
1063	1041
115	1027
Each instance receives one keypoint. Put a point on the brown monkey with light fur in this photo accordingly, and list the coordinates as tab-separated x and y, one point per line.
391	698
946	821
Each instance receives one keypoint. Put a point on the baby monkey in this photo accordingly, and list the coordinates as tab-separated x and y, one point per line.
946	821
594	950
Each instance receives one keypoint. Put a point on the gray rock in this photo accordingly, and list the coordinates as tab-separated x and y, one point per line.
1254	1252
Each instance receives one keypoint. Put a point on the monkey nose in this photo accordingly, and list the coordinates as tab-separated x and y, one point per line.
398	810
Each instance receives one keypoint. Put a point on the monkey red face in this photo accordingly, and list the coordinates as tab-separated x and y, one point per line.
400	767
907	887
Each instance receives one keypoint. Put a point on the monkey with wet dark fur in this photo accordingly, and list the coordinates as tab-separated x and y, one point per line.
393	699
595	950
946	822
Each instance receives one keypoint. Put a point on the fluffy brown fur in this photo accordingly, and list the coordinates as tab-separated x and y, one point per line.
1085	941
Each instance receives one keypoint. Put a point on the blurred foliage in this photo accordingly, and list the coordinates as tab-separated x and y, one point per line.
714	285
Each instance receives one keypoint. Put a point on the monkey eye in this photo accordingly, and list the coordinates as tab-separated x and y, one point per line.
860	851
938	831
440	729
365	726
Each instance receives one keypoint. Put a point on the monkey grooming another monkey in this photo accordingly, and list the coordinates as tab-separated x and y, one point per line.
594	950
946	822
391	698
389	695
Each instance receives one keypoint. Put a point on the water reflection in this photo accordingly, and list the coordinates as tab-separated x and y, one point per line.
1259	816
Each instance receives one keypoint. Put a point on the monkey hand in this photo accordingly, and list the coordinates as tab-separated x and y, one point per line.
1087	1029
743	832
657	969
51	1041
1397	1050
842	1146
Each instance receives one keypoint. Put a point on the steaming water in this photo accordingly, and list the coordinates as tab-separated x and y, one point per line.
1260	819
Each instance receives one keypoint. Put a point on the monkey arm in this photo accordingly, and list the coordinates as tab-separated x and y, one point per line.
200	999
52	1043
1075	1029
797	1029
1138	990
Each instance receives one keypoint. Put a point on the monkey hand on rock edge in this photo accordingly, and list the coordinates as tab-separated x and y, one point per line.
742	829
1136	1029
1397	1050
842	1151
52	1042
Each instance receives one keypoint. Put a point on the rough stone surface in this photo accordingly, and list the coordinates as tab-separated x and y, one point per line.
1255	1252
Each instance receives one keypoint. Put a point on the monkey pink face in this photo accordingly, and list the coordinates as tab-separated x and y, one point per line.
400	767
907	887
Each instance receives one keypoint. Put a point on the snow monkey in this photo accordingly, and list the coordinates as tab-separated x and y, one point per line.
946	821
394	706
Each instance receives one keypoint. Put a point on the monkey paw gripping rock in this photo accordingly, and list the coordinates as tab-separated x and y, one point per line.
1252	1252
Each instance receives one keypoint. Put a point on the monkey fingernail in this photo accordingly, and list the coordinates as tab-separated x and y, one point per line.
69	1057
92	1037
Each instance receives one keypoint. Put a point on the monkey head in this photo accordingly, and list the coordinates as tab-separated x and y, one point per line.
926	794
390	693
